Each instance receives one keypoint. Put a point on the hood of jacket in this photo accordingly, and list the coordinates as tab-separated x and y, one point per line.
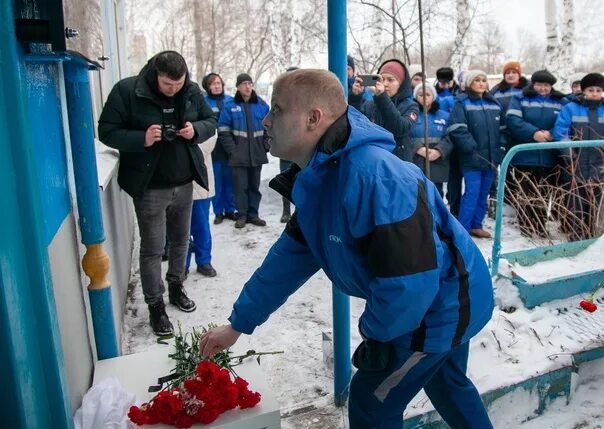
342	137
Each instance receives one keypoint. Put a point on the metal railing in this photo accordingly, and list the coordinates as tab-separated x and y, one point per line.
503	169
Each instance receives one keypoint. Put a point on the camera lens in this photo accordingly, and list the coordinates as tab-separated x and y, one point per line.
168	133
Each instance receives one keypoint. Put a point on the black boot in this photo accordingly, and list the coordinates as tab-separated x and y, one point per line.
206	270
286	216
159	320
179	298
231	216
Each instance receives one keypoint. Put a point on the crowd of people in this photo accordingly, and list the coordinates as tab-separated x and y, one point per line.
470	127
375	224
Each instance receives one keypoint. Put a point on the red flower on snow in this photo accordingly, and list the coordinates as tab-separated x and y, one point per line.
588	305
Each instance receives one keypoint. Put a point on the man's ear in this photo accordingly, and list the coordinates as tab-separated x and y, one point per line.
315	117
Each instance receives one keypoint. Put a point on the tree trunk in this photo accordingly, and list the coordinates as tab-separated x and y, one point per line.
567	43
460	59
552	50
198	15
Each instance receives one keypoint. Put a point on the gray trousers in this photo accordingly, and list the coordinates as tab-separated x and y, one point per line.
160	213
246	186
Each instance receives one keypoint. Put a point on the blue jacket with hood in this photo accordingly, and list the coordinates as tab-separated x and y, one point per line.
241	132
582	120
380	231
477	129
528	114
396	114
216	102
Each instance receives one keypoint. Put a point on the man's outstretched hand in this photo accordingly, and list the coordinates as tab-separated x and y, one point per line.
217	340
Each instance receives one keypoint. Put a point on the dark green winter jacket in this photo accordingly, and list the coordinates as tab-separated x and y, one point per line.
132	106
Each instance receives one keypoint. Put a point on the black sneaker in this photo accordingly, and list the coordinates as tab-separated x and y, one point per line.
179	298
257	221
159	321
218	219
206	270
240	223
231	216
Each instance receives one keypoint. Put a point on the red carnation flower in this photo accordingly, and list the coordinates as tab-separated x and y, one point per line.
183	420
588	305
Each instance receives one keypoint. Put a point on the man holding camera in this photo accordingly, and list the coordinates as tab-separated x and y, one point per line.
156	120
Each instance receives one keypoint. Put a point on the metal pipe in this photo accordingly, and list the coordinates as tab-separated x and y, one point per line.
336	35
423	64
95	262
34	388
503	169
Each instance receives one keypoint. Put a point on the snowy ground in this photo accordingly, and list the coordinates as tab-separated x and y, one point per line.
506	350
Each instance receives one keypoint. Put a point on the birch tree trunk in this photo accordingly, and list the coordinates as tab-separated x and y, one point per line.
275	10
552	50
460	59
198	14
567	41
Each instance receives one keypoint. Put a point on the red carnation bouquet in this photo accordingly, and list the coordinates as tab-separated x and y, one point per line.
197	391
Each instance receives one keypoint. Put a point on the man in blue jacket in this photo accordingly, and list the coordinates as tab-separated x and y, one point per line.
243	138
380	231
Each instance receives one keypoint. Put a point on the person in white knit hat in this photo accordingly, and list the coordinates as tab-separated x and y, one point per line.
476	127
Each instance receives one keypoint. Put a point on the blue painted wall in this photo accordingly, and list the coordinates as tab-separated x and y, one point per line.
34	388
44	105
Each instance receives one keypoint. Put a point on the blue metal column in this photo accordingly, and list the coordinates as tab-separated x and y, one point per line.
95	261
336	35
33	384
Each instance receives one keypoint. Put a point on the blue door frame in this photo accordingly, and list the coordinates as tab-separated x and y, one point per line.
33	384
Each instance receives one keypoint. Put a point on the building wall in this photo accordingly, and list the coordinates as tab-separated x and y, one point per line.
71	301
119	223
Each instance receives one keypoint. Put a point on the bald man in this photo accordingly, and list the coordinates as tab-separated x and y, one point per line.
380	231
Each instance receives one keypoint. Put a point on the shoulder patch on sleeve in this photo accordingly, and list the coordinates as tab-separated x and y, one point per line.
405	247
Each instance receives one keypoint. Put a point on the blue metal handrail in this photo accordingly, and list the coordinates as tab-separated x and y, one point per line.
503	169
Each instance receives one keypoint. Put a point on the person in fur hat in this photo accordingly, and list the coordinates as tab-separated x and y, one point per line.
583	119
530	119
446	88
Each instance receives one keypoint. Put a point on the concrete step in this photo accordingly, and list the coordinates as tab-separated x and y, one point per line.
535	293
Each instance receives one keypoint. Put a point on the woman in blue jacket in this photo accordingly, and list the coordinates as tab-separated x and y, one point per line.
477	129
224	199
531	119
439	146
583	119
392	106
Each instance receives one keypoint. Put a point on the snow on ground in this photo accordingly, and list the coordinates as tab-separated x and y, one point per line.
507	350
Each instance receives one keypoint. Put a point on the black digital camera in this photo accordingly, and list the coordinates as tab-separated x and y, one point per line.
168	127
